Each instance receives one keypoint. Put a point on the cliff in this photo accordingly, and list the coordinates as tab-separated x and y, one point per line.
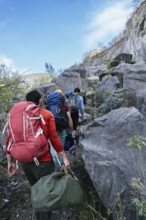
132	42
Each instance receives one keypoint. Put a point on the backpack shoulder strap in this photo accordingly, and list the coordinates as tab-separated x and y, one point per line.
5	127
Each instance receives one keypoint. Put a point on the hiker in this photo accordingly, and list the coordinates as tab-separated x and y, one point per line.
45	164
68	113
75	101
61	112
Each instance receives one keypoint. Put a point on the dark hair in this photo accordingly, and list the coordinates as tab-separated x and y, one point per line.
33	96
77	90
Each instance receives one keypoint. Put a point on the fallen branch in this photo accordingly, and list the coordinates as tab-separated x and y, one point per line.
16	80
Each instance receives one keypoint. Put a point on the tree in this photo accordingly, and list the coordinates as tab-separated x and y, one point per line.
10	86
43	79
49	68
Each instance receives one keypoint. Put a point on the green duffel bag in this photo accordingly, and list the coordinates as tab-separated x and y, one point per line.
58	190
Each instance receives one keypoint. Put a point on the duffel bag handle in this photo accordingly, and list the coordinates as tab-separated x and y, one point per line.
68	170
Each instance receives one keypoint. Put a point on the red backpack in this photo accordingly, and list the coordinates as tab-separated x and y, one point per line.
28	143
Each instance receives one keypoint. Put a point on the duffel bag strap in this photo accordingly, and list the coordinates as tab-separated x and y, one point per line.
68	170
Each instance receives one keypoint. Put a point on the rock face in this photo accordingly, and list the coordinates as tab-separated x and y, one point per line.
133	41
134	84
109	162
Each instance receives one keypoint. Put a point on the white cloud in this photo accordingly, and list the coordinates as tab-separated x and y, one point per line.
9	63
107	24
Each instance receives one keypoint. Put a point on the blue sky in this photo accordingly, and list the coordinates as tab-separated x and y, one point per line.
59	32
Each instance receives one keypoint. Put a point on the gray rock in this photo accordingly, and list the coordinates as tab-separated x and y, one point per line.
109	162
96	70
134	84
68	81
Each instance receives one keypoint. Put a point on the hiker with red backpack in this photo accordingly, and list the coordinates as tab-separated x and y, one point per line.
29	127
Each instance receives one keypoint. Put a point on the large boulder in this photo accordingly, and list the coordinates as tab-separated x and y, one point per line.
97	70
134	84
109	162
105	89
68	81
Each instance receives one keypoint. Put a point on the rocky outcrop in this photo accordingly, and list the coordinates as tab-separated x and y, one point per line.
134	84
71	79
132	42
109	162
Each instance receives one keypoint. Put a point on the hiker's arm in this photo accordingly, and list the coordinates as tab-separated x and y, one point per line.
56	142
65	159
70	120
67	109
50	131
81	106
11	165
70	124
10	161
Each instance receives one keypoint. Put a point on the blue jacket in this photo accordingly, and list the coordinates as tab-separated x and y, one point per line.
81	105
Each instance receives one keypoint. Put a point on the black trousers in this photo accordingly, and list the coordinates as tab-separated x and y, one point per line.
75	119
33	174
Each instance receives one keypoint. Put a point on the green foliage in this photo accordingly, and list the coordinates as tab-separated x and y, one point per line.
6	97
43	79
108	64
118	210
139	203
93	82
119	95
10	86
137	142
137	185
140	206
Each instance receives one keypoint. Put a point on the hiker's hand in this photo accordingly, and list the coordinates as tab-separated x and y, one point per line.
11	168
66	162
65	159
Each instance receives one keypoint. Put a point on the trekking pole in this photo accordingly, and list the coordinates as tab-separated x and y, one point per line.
55	153
3	131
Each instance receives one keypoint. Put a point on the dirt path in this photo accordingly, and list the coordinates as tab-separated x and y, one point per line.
14	197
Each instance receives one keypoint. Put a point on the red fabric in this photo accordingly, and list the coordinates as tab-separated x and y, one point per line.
50	132
66	107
